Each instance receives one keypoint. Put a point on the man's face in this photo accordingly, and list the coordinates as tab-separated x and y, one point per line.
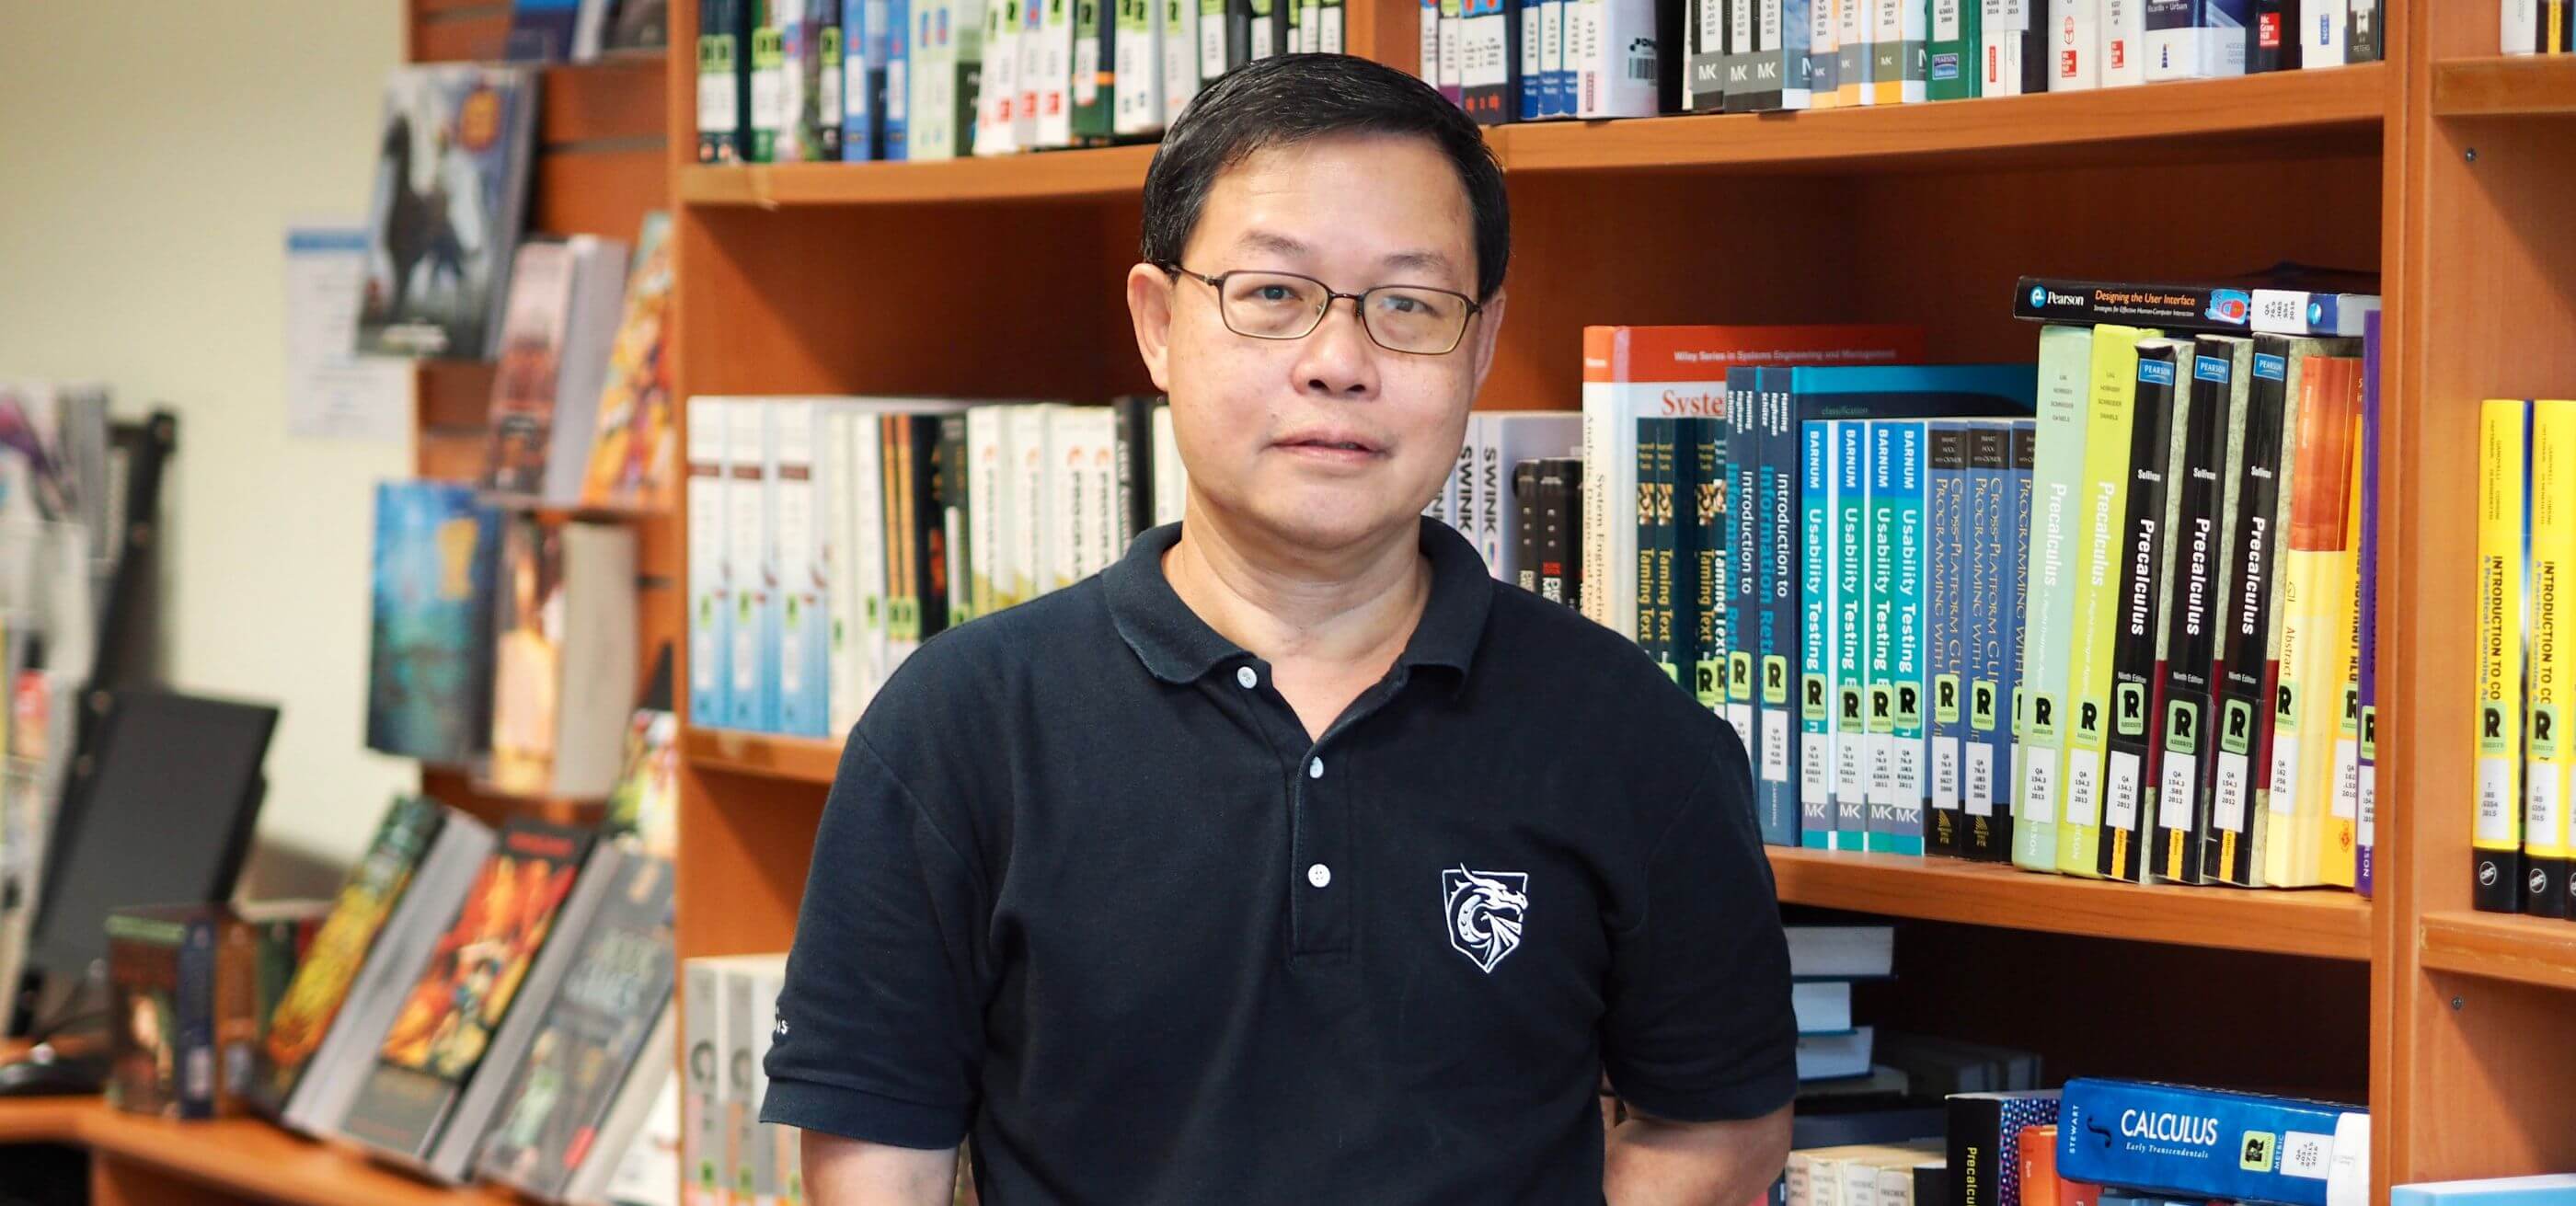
1328	440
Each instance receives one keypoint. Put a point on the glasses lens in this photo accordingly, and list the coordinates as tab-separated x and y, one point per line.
1427	321
1269	305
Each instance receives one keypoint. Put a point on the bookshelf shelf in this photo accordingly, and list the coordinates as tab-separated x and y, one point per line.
1050	176
794	759
2527	950
162	1161
2505	86
2324	924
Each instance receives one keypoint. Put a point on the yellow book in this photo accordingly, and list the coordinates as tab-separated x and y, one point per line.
2312	572
2547	848
2099	507
2495	835
2338	713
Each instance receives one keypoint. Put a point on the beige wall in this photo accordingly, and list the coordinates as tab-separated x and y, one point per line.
150	157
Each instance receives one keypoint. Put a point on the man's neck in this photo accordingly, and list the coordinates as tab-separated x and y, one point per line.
1337	612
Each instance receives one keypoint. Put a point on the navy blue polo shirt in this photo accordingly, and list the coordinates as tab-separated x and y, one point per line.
1086	891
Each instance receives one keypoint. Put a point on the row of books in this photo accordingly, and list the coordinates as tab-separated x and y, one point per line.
1925	646
789	81
2537	27
581	31
473	1004
729	1157
2526	654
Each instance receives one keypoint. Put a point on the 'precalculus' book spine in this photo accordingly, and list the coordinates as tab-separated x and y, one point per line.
2101	503
2048	599
2144	554
2199	588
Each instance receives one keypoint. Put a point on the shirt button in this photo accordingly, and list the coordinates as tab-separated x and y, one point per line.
1247	678
1319	875
1315	769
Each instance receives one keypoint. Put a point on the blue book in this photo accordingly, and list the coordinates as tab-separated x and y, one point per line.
1775	644
2555	1189
1992	553
429	655
898	82
1896	680
2025	455
2201	1143
863	79
1528	16
541	31
1816	635
1945	606
1558	98
1852	619
1742	528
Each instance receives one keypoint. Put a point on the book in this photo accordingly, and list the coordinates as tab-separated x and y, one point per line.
1180	50
1741	536
2549	659
646	800
2125	50
648	1171
2366	622
765	58
592	1037
1855	747
2199	1143
1138	67
555	337
2316	614
2291	302
2504	551
2048	612
751	573
2102	499
1984	1132
1957	36
721	81
1049	97
1614	49
997	104
1822	1006
2161	411
2017	39
2211	442
563	658
2271	42
1561	540
1818	673
2077	47
430	630
633	445
822	64
1853	60
762	1167
798	546
2196	39
710	607
451	187
543	31
1841	952
895	115
1489	62
1946	536
2361	25
1831	1056
1092	91
1998	522
182	1010
2557	1189
304	1014
2336	853
864	43
1896	649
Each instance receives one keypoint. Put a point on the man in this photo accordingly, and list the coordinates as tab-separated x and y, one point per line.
1292	858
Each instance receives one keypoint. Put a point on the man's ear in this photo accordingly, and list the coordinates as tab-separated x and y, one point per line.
1149	306
1488	333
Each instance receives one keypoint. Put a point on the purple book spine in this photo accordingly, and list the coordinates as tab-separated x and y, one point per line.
2367	583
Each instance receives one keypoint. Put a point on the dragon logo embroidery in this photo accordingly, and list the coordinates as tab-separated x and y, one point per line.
1485	910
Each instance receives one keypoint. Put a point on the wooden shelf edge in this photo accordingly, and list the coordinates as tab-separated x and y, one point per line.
2505	86
1043	176
767	755
2322	924
2501	946
245	1156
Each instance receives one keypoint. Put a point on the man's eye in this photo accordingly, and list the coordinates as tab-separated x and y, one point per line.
1274	293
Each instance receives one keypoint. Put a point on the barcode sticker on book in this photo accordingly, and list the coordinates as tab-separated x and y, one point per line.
1979	786
1945	772
2495	800
2540	796
1815	768
2176	790
2285	774
2227	795
2083	768
1907	786
2039	789
1740	717
715	103
1086	71
1851	752
2306	1155
2347	777
2120	801
1775	746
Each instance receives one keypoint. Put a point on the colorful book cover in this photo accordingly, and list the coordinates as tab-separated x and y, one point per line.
1705	535
429	672
2198	1144
1818	681
613	992
1946	484
541	31
646	800
1896	681
2161	409
2102	500
451	185
2552	620
181	997
2194	614
2337	850
1984	1133
632	454
1853	746
2048	606
2366	582
2504	550
375	884
2314	618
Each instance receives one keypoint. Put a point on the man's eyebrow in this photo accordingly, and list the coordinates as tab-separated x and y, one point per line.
1418	261
1270	241
1423	261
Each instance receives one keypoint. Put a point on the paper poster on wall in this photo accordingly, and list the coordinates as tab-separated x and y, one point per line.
332	393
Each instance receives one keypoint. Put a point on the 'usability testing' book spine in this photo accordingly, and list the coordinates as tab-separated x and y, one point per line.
1816	683
2504	536
1853	746
2048	600
1897	523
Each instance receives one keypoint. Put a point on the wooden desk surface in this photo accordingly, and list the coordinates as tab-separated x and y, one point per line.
247	1157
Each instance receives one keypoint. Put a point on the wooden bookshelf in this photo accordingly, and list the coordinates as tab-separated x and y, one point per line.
2324	924
1056	176
138	1161
2495	946
810	760
2505	86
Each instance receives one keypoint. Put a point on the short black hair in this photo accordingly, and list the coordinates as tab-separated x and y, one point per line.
1287	99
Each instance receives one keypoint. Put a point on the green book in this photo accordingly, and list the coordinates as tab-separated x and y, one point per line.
2101	502
1951	69
2048	607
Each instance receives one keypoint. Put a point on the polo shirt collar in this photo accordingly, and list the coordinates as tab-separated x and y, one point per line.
1179	647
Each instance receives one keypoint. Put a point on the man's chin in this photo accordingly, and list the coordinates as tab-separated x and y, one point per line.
1331	528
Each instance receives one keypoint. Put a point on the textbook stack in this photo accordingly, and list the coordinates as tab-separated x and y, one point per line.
1824	961
834	535
2519	835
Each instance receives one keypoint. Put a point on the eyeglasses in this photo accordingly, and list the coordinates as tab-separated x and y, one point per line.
1283	305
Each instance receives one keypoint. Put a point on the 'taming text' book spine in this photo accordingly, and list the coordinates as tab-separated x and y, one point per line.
1900	520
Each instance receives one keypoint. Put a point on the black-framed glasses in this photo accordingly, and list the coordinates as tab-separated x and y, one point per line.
1415	319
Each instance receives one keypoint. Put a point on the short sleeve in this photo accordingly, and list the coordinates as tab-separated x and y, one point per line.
1699	1026
880	1025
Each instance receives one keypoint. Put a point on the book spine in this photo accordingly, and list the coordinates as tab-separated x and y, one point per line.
1887	50
1824	53
2138	35
1556	88
1487	82
2075	51
2504	527
1743	556
840	541
2012	536
1180	47
1947	485
2520	21
2163	402
896	122
1852	58
832	51
1775	610
2366	620
746	566
1704	57
2102	500
1525	551
192	1025
802	679
1561	517
1914	36
1816	693
1983	556
2314	620
1137	68
1092	88
2048	601
1216	54
2199	589
2206	1146
1796	53
2271	42
1331	20
1855	747
768	39
719	82
1695	458
1898	464
862	89
710	594
2322	24
2361	23
2551	659
1705	537
1654	550
2241	708
1530	39
1952	71
2337	833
